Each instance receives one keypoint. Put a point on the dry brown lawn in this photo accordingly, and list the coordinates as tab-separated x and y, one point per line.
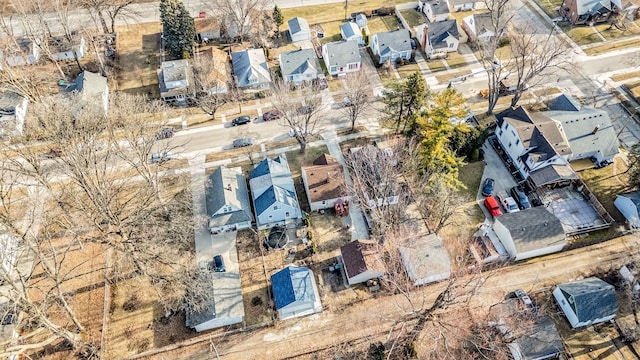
255	285
138	48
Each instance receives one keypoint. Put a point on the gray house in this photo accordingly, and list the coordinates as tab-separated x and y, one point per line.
227	200
299	29
589	131
434	10
587	302
250	69
273	193
300	66
13	109
92	88
530	233
438	39
341	57
391	45
176	81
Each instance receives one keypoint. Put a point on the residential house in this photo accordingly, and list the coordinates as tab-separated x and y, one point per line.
300	66
299	29
629	8
324	182
585	11
20	52
13	109
351	31
227	200
438	39
250	69
541	341
176	81
629	205
434	10
215	79
589	131
207	29
341	57
273	192
222	303
8	252
425	258
466	5
530	233
587	302
391	45
362	261
361	20
531	140
478	27
62	48
295	292
377	189
92	88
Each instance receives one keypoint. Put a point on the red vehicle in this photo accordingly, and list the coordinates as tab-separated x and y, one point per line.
491	204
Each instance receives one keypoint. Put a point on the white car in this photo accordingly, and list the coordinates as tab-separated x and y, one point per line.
507	202
161	157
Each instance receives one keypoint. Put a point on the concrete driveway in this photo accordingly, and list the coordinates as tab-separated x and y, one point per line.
496	170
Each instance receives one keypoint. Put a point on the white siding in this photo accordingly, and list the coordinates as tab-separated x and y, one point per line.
217	323
628	209
364	277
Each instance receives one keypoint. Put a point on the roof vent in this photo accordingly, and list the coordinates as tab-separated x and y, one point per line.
595	129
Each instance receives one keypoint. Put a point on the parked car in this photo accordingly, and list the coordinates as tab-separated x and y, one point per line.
522	295
242	142
241	120
218	264
520	197
53	152
164	133
492	205
272	115
487	187
507	202
160	157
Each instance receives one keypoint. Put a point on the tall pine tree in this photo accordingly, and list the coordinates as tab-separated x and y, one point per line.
277	18
178	28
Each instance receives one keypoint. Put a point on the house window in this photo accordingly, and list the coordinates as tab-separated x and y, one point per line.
513	133
324	202
286	214
500	132
509	144
353	66
451	45
333	69
275	207
517	141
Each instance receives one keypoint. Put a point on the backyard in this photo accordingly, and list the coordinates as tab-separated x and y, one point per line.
138	49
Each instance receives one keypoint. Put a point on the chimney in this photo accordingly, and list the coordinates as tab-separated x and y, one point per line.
595	130
229	187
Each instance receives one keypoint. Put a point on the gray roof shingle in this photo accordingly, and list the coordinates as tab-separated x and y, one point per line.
533	228
593	298
298	24
249	65
439	31
227	187
391	41
299	61
342	53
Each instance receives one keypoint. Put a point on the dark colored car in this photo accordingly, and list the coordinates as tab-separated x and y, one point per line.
241	120
487	187
520	197
218	264
242	142
272	115
164	133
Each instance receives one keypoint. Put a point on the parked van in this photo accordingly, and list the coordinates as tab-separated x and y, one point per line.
491	204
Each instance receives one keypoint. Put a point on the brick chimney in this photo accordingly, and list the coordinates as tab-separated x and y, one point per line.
595	129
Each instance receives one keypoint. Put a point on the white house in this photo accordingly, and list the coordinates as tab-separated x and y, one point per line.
273	193
300	66
530	233
13	109
19	53
434	10
222	305
391	45
587	302
629	205
438	39
478	27
362	261
324	182
465	5
295	292
299	29
61	48
92	88
425	258
227	200
341	57
250	69
176	81
351	31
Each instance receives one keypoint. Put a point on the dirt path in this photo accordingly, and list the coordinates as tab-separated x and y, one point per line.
373	317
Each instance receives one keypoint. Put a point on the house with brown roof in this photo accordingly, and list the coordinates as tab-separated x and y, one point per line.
324	182
362	261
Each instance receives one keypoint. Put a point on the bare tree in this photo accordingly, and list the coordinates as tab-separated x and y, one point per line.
534	57
211	82
241	17
300	109
357	91
100	10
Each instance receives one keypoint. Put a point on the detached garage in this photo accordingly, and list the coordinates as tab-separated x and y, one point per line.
295	292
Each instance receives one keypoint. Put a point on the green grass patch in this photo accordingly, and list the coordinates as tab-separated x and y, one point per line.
606	183
634	89
581	35
408	69
471	175
413	17
382	24
297	160
625	76
618	45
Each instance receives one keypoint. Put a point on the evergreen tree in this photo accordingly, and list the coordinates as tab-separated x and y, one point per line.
277	17
178	28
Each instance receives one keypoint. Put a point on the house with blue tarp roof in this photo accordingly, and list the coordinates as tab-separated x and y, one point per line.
295	292
273	192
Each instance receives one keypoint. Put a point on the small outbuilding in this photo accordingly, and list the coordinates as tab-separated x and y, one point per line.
362	261
587	302
629	206
295	292
425	258
299	29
